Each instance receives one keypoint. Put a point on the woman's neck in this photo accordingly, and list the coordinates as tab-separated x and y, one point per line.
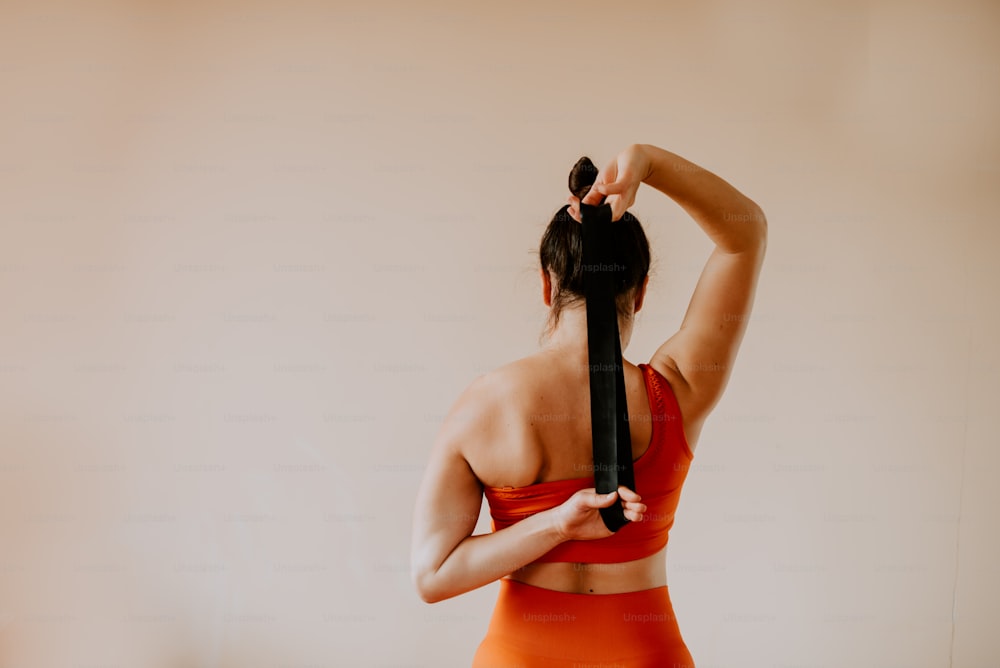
569	339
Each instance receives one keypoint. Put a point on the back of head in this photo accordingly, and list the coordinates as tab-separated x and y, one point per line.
561	252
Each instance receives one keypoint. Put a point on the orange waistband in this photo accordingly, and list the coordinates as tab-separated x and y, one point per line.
537	626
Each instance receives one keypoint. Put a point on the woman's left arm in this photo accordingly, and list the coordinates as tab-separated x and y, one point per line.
445	558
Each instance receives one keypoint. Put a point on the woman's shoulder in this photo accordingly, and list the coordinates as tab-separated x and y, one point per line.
492	397
490	415
509	377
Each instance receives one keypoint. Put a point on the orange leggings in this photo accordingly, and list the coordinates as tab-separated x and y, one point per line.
534	627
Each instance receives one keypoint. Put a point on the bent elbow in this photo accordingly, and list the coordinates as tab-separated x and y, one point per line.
756	216
758	221
426	585
426	593
429	596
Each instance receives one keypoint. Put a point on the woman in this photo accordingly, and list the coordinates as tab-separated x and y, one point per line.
572	593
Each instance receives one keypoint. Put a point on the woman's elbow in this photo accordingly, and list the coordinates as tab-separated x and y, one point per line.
429	589
424	587
427	584
763	222
756	231
754	215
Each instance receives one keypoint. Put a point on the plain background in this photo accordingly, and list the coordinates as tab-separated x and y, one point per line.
252	252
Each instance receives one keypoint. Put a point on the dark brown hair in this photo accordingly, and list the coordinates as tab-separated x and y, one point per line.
561	251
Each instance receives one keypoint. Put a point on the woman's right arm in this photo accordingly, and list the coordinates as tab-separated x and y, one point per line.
703	350
445	558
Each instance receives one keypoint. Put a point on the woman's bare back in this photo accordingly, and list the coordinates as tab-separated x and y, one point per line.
545	436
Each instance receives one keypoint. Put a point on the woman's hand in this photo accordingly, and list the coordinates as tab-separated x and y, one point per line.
578	518
618	181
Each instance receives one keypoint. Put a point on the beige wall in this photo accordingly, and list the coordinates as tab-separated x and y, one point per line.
251	253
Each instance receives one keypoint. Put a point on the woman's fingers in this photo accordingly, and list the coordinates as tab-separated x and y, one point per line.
616	184
613	188
591	499
618	207
630	501
633	508
619	196
579	519
627	494
604	177
596	194
574	208
633	515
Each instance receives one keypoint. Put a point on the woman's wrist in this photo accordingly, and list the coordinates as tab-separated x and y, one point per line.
667	171
553	525
647	151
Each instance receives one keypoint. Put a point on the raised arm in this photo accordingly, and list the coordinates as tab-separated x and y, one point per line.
701	353
704	348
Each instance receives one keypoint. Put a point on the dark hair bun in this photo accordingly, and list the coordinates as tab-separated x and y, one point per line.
582	177
561	252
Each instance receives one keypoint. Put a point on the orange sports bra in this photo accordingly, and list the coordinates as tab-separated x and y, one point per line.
659	475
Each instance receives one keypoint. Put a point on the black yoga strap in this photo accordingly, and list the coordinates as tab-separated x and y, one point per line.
608	405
